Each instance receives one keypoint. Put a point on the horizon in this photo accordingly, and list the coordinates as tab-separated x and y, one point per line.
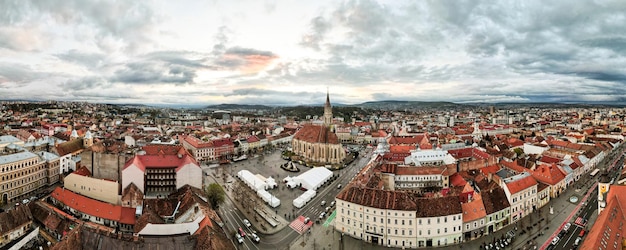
290	53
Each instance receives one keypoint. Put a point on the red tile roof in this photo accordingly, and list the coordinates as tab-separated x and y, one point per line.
548	173
162	156
493	169
197	143
316	134
521	184
83	171
474	209
93	207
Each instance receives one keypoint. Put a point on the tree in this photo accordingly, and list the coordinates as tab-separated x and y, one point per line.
215	194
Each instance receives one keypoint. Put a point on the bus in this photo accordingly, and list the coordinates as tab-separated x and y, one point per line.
595	172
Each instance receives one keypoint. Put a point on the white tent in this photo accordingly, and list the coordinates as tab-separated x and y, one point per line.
264	195
271	183
314	178
275	202
298	203
287	179
292	184
307	196
251	180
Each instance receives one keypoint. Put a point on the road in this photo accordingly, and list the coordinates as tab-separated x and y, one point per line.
233	217
567	239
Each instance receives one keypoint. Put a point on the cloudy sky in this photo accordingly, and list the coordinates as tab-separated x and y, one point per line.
291	52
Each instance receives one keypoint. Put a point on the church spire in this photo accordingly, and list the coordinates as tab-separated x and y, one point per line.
328	110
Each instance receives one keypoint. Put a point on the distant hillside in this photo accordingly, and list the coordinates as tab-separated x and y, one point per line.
225	106
300	112
401	105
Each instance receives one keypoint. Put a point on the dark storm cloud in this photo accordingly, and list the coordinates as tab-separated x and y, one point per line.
491	47
90	60
153	73
85	83
13	75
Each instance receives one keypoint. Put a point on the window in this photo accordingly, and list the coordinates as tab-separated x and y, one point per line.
410	222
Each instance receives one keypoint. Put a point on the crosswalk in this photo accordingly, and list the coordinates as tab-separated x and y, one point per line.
299	226
579	221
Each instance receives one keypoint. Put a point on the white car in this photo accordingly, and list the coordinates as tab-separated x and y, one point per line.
247	223
555	240
239	238
255	237
566	227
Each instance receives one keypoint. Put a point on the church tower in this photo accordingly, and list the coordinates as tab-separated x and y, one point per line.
328	111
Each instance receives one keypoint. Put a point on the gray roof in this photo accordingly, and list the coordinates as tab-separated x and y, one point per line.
48	156
8	139
16	157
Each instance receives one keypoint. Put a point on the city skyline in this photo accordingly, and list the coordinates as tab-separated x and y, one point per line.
289	53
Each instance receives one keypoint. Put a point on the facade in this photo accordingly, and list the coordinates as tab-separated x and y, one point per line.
418	178
474	216
98	189
552	176
318	144
521	191
497	209
199	149
398	219
23	173
162	170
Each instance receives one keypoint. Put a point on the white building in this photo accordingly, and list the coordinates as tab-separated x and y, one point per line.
398	219
521	191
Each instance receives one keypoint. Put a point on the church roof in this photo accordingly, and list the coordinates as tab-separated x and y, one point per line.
316	134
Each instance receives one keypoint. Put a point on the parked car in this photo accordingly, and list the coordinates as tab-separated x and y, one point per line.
567	226
306	220
323	203
555	240
332	204
247	223
255	238
327	209
322	215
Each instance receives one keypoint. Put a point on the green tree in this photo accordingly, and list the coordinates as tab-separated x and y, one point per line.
215	194
518	151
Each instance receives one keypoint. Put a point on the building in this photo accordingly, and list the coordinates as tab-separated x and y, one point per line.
199	149
162	170
318	144
85	208
474	215
22	173
521	191
15	224
551	175
398	219
328	112
98	189
608	231
415	178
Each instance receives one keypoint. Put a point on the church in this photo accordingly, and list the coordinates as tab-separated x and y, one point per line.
318	144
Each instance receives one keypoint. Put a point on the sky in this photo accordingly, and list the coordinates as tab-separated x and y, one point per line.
293	52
